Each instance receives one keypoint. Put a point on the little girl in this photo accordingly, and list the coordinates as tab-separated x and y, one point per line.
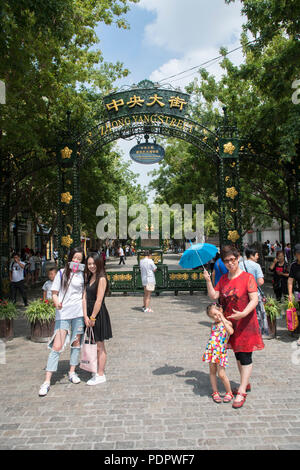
216	353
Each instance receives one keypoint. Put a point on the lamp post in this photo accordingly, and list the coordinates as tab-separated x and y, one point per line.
2	202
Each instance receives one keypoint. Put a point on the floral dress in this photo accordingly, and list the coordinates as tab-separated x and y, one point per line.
216	347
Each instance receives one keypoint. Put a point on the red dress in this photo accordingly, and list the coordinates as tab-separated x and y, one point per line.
234	295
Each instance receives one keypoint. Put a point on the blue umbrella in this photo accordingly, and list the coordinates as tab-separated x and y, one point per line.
197	255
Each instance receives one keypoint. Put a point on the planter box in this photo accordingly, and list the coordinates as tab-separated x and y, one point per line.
7	329
42	332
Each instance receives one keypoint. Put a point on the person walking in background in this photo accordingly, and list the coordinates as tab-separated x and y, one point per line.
288	253
103	256
95	312
294	284
121	254
280	271
148	269
38	263
219	269
216	352
43	266
251	265
55	256
31	262
16	276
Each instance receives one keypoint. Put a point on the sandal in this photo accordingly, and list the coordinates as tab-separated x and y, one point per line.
239	404
228	397
216	397
248	389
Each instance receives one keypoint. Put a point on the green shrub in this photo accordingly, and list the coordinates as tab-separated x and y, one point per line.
40	310
8	310
273	308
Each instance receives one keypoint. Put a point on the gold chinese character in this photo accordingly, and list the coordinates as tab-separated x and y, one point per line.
177	102
115	104
135	101
156	99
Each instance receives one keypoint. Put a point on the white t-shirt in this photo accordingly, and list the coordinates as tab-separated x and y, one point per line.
72	303
17	271
121	252
31	263
47	287
147	267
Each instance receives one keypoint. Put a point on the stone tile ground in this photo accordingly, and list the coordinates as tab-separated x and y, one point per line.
157	394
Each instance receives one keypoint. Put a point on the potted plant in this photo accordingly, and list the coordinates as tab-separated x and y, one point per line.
8	312
41	315
273	311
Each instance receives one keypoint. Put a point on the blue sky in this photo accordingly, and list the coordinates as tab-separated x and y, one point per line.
167	37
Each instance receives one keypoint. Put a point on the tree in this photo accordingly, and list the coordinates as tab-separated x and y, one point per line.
186	176
50	66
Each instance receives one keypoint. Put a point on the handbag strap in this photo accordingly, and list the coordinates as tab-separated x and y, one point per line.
91	334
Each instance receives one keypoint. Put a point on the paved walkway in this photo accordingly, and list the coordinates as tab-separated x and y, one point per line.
157	394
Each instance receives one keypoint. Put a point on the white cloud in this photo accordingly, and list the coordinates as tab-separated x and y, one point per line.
181	26
193	32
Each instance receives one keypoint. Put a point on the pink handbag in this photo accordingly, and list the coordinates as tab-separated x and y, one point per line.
292	321
88	359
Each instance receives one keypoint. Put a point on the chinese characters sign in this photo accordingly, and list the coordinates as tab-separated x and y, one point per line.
148	99
147	153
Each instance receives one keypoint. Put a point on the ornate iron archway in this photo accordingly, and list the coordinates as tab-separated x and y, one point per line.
148	109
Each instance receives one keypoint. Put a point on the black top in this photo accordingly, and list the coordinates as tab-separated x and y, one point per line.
295	274
102	329
278	280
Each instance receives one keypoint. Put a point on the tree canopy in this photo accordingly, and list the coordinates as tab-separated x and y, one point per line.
258	97
53	69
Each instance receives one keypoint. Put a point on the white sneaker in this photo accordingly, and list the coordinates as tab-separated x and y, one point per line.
96	379
74	378
44	389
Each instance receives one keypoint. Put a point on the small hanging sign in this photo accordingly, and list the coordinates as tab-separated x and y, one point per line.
147	153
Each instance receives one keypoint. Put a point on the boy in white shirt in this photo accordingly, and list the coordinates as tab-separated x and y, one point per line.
47	293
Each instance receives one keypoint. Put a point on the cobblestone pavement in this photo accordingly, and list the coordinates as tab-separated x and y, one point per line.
157	394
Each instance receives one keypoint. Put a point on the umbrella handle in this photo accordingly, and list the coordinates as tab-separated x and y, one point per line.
200	259
197	254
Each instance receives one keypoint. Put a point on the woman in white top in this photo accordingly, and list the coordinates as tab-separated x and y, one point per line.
67	292
148	269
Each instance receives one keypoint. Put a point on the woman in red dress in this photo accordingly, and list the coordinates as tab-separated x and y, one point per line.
237	293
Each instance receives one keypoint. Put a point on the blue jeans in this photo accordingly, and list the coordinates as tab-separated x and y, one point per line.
73	327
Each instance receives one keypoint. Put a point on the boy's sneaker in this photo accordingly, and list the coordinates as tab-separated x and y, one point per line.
74	378
96	379
45	387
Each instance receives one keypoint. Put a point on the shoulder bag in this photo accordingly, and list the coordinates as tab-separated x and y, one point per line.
88	359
